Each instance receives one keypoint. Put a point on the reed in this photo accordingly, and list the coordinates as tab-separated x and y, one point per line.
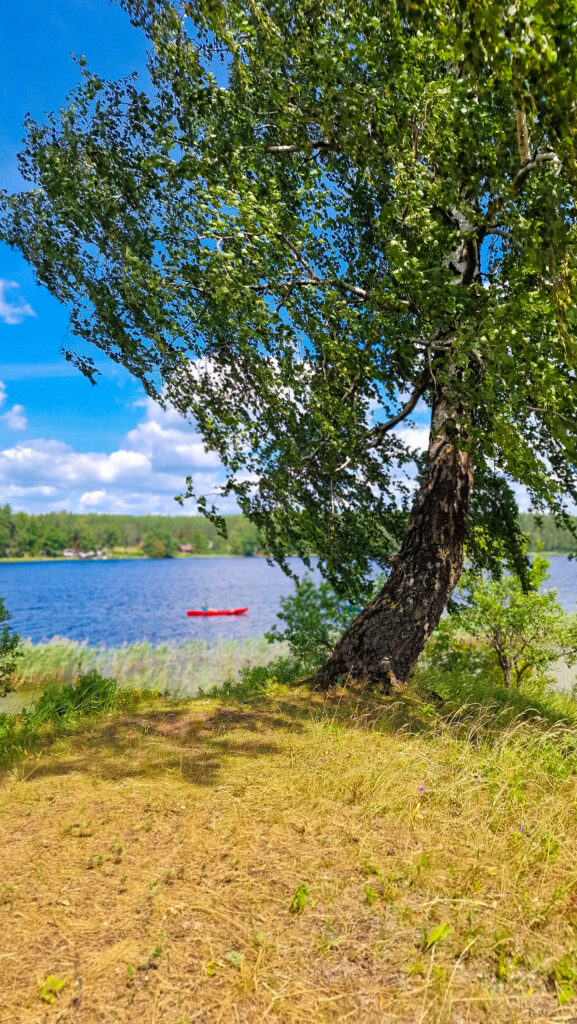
181	669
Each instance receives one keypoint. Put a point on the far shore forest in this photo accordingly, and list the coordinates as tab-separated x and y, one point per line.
50	534
53	533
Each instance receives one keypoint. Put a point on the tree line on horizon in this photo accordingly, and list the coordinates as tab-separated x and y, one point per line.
26	535
23	534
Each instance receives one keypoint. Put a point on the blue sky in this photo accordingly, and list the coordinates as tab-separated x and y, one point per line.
63	442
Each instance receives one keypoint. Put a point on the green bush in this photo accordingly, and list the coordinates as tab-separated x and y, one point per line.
253	682
59	708
91	693
499	631
9	651
314	617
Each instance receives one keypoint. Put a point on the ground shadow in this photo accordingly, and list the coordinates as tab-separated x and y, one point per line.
198	744
476	712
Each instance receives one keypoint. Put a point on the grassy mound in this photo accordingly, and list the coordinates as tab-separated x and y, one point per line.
275	855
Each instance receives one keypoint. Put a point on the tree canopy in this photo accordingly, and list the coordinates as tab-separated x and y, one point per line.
312	218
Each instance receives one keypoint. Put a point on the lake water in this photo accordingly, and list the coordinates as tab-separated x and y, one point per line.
125	601
118	602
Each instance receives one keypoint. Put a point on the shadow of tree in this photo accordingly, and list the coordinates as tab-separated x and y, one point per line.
473	712
198	744
198	747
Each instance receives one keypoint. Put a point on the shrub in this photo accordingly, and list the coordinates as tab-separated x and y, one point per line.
91	693
9	651
314	617
253	682
60	708
500	630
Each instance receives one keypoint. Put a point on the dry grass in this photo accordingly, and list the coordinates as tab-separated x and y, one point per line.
151	861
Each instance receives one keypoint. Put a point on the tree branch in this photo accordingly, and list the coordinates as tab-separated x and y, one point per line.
494	229
345	286
383	428
522	137
298	147
286	286
532	165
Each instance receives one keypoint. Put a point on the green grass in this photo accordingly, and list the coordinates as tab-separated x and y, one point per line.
57	711
264	852
181	669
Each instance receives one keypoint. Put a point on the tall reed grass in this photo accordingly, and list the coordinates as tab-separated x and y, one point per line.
182	669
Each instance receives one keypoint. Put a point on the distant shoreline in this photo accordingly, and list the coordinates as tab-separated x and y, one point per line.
144	558
117	558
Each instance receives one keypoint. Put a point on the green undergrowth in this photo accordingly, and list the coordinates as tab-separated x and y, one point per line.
256	683
538	728
471	686
59	710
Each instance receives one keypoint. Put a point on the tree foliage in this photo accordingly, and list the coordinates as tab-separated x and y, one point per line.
159	544
9	650
314	617
23	534
271	235
523	632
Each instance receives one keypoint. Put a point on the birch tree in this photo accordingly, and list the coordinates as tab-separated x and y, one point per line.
312	221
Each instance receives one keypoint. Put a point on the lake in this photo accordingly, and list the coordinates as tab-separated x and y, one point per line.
129	600
126	601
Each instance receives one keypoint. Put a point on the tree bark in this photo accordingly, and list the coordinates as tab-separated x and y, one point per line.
507	672
382	645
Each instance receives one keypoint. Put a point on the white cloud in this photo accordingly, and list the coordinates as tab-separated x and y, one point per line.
16	310
92	499
15	418
415	437
141	476
169	442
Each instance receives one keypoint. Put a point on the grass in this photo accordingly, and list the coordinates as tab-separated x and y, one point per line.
271	854
183	668
58	711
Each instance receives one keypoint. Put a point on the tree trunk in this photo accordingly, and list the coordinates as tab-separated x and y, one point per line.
383	644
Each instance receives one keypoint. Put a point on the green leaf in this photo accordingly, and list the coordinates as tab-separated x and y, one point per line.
440	932
234	958
299	899
50	987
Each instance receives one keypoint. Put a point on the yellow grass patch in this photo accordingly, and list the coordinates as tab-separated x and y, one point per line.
298	860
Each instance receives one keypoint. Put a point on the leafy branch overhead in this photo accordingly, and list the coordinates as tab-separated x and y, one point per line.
312	223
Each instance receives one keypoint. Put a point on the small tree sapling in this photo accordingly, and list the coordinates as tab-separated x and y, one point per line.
525	631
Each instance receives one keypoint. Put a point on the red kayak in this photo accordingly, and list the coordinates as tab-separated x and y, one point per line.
225	611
